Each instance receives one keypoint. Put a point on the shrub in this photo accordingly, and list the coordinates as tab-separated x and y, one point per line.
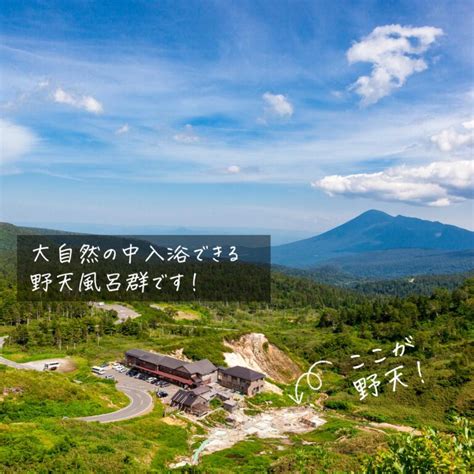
337	404
431	452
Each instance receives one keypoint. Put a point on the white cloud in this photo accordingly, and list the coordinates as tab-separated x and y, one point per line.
43	84
62	97
277	104
187	136
15	141
468	125
122	130
85	102
449	139
233	169
436	184
395	53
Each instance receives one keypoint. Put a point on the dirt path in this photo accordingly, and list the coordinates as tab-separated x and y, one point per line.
399	428
65	364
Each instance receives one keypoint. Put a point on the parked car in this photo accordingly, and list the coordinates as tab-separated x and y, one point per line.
165	384
161	394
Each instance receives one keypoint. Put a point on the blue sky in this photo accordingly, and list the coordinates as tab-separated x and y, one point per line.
267	115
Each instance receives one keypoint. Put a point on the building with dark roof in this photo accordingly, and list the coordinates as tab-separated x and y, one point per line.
241	379
171	369
195	401
201	367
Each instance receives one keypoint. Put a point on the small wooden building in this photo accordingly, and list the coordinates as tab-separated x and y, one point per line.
195	401
241	379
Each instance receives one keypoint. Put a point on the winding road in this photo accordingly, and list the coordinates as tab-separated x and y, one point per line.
10	363
141	402
14	365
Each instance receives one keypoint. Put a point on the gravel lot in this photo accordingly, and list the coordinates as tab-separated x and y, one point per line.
123	312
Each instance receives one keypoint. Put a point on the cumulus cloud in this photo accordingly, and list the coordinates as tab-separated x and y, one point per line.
395	53
122	130
187	136
450	139
233	169
15	141
84	102
277	105
436	184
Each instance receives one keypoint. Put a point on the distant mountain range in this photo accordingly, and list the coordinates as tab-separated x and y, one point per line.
373	245
378	245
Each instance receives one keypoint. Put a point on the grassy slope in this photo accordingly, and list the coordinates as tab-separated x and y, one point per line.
35	436
30	395
72	446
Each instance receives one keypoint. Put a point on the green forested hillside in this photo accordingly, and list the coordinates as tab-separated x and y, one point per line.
9	233
406	286
307	320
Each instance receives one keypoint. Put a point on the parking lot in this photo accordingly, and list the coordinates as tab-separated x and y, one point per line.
133	379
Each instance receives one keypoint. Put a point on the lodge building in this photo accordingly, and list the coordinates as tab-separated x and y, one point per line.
185	374
195	378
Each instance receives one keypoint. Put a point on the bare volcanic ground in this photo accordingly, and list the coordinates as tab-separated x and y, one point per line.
274	423
255	352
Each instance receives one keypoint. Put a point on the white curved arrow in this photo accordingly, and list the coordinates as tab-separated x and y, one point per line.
298	397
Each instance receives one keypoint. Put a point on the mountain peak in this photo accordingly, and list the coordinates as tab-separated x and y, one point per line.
375	213
372	215
363	221
370	232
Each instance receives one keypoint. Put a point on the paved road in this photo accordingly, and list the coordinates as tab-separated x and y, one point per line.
141	402
7	362
10	363
14	365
